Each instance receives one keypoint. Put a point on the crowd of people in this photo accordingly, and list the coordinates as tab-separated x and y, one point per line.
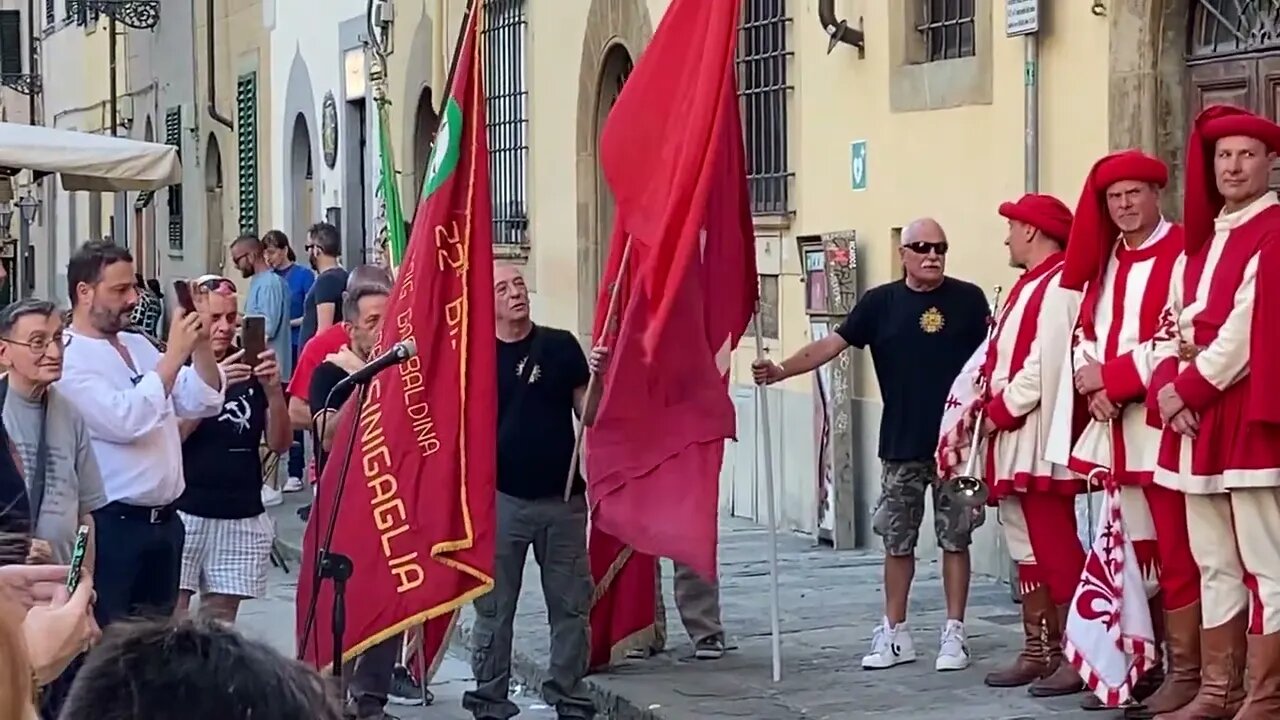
1131	351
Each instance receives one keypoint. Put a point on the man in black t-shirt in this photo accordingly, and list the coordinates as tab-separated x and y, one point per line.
322	306
542	384
921	331
228	532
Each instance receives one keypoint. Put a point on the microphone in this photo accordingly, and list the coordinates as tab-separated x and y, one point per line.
398	353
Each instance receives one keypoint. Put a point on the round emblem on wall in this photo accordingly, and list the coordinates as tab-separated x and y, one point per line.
329	130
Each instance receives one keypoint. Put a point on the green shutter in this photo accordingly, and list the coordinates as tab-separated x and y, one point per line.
173	136
247	144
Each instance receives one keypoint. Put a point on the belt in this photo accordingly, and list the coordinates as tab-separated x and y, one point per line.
1187	351
150	515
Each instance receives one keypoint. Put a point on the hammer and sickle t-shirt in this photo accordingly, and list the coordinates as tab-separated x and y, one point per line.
919	342
221	458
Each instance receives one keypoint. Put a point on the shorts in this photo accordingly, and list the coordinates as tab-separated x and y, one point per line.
900	509
226	557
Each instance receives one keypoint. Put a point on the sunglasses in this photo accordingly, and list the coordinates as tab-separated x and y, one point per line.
214	284
923	248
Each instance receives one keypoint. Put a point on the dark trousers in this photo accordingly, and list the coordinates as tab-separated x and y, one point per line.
54	695
370	673
139	560
297	460
557	531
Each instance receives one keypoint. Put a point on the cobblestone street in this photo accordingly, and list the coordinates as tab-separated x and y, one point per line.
830	604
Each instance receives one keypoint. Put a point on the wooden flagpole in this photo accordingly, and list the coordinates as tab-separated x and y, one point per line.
764	436
592	399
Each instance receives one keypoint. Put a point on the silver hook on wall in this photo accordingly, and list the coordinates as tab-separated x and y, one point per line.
1099	8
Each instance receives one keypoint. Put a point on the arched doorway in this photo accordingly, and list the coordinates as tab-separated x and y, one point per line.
302	172
614	71
215	243
425	122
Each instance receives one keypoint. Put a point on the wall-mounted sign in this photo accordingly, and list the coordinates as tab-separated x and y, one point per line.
1021	17
858	164
329	130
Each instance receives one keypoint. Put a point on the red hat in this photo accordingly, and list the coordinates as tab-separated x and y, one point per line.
1093	230
1045	213
1202	202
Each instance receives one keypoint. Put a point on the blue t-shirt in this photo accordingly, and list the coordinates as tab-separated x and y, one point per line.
299	279
269	297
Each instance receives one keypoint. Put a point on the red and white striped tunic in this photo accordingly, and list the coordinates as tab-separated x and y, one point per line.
1025	359
1119	316
1203	348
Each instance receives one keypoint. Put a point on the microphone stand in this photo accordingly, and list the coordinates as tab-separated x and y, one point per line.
328	564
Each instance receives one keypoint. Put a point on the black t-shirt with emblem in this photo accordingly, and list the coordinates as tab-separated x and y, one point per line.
220	458
536	444
919	343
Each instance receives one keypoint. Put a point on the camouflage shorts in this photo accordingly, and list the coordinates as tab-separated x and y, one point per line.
900	509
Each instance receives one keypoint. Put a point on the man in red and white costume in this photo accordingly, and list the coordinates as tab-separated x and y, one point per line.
1216	388
1122	253
1021	376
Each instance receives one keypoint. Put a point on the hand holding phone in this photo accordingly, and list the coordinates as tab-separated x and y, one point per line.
253	339
77	558
182	293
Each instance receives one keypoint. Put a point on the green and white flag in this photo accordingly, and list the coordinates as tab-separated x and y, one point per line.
389	195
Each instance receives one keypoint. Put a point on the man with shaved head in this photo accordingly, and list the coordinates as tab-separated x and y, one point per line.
921	330
542	384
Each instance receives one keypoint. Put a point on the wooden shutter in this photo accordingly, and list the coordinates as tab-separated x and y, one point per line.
173	136
247	150
11	42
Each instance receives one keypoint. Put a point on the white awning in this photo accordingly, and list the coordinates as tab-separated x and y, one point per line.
89	162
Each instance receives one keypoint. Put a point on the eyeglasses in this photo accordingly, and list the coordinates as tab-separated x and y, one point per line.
923	248
40	345
235	259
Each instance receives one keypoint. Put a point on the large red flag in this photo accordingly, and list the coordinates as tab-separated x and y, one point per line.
417	514
672	153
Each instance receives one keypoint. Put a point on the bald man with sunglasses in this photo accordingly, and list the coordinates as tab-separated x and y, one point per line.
921	330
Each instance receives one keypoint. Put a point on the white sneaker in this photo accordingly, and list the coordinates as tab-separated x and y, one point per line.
953	649
293	485
889	646
271	497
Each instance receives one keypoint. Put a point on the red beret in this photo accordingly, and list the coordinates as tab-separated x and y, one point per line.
1093	231
1202	202
1045	213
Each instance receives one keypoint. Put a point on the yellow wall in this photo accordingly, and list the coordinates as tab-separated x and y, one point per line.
241	44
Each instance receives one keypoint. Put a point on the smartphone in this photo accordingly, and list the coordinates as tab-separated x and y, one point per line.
253	339
182	292
77	558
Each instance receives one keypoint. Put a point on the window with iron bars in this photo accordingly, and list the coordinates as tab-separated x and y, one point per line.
946	29
765	95
507	116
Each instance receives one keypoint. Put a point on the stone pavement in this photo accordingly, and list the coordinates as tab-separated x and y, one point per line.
830	603
270	619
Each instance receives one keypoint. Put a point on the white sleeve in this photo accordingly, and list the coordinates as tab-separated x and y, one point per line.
192	396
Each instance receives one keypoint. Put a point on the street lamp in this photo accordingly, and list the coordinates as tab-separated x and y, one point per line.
29	206
24	259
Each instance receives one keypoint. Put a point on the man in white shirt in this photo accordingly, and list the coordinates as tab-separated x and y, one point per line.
131	396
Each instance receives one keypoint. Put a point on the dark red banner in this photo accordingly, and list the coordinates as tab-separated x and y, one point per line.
416	517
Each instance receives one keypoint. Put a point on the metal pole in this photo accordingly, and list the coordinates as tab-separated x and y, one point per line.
1031	73
22	279
31	57
111	64
764	436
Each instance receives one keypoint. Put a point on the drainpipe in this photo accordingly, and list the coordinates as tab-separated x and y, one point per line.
1031	73
213	75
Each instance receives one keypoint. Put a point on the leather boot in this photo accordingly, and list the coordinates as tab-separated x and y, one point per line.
1222	662
1153	678
1063	680
1263	701
1033	661
1183	653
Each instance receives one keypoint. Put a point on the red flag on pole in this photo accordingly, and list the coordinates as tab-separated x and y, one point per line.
672	152
417	514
